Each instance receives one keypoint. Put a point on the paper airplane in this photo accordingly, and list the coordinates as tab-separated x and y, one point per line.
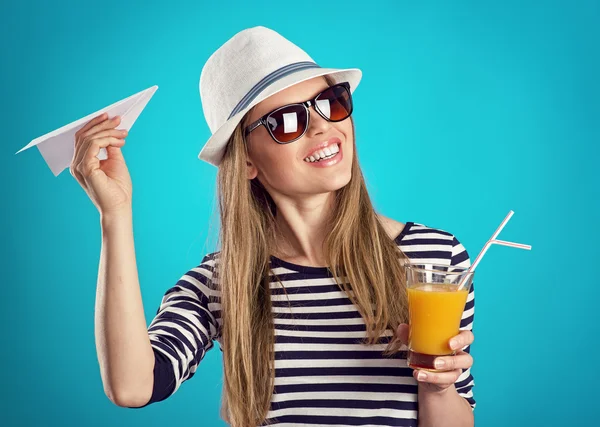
57	147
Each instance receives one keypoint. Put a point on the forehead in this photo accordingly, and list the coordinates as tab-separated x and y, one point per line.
296	93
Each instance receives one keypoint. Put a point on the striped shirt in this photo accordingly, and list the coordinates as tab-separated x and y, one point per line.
324	375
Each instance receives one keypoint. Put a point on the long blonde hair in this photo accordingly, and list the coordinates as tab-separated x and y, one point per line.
357	249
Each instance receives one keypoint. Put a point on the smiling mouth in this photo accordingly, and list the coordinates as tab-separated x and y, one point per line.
325	158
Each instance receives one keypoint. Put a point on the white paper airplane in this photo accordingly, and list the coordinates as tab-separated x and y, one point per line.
57	147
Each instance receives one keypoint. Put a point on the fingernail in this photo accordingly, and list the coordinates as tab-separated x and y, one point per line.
422	376
439	363
453	344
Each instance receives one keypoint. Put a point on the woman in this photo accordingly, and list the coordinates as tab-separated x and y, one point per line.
307	296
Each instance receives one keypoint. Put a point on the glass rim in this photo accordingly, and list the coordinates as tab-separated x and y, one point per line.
413	266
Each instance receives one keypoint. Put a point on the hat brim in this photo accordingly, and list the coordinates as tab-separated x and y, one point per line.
213	150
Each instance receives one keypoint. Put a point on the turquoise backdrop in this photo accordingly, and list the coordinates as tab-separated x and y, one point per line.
489	106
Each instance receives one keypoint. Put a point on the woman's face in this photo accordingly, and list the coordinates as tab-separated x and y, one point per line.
282	168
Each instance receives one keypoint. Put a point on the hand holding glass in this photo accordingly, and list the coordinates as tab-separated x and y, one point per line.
436	305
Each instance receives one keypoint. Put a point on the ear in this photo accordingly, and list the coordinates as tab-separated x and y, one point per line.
251	170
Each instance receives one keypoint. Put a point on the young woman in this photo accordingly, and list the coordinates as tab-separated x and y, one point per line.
307	295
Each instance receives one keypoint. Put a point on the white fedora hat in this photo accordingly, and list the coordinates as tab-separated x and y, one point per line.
249	67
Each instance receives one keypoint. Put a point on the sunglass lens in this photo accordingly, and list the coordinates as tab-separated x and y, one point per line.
335	103
287	123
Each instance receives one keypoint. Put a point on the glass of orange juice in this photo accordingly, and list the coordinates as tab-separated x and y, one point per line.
435	305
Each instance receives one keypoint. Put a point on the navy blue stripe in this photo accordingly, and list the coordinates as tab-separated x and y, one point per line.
323	273
383	371
463	384
466	321
268	80
336	387
334	315
179	340
429	254
295	290
321	328
313	303
188	302
201	275
283	339
321	420
182	284
326	355
425	241
458	258
470	400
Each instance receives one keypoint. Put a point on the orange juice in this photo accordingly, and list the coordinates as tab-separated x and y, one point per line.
435	311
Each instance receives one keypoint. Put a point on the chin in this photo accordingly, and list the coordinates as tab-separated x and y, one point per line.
340	181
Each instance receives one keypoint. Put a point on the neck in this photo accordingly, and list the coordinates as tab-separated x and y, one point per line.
302	227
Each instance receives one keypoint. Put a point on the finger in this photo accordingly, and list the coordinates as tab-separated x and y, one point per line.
90	161
106	124
82	148
81	137
462	360
78	139
113	153
76	174
440	378
117	133
91	123
402	333
463	339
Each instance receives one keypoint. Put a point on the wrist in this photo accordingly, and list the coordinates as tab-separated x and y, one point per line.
429	391
116	218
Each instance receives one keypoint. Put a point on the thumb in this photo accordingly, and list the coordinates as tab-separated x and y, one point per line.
402	333
114	152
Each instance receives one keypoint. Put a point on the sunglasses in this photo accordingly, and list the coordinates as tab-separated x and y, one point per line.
290	122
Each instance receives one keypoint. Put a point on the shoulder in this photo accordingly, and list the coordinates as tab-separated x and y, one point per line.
416	231
200	278
391	226
209	260
423	241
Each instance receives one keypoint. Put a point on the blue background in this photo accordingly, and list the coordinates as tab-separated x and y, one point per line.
489	106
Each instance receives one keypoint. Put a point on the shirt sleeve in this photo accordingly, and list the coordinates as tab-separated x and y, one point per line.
465	382
182	330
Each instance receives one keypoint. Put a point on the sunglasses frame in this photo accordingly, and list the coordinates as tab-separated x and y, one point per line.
306	105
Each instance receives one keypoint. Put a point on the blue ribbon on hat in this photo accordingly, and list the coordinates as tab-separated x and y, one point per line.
267	80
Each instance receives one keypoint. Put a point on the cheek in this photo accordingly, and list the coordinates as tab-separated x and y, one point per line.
278	165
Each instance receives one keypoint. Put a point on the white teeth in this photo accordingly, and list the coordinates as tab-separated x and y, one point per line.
326	152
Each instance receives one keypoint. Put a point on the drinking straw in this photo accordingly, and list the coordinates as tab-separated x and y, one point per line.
490	242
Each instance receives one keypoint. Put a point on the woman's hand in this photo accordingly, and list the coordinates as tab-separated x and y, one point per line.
107	182
452	366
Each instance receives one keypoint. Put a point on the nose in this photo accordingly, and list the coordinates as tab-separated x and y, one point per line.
317	124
